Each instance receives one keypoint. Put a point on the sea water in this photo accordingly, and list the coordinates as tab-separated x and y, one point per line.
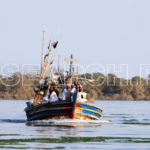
123	125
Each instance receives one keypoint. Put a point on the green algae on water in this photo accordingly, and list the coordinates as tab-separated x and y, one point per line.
75	139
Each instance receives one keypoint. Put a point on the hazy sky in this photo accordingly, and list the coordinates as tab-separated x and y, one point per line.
95	31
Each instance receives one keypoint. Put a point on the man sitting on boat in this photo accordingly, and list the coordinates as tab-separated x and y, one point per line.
45	98
66	94
81	96
53	96
72	91
77	87
56	90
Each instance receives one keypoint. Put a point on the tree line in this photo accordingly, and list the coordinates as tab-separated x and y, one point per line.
97	85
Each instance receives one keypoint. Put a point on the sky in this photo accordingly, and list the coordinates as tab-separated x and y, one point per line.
100	33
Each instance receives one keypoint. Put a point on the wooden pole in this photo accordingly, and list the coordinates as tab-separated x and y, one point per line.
59	63
42	55
77	73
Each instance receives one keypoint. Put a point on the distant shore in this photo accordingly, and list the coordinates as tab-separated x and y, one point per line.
108	99
97	85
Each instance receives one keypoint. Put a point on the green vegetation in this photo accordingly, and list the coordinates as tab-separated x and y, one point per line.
74	140
97	85
17	86
9	134
112	87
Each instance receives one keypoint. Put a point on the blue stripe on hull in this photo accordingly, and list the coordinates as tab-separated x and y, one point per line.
90	107
90	113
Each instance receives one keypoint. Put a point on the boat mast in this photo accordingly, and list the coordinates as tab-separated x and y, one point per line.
70	74
59	56
42	55
77	73
71	65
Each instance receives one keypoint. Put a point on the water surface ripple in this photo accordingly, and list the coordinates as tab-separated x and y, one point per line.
124	125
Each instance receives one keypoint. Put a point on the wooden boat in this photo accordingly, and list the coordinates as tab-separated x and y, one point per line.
63	109
73	108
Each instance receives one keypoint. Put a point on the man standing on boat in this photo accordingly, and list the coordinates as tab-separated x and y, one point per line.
73	91
81	96
66	95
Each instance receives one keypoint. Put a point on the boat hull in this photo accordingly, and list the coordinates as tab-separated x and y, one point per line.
87	111
63	109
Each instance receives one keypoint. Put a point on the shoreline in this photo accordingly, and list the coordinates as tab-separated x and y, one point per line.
133	91
95	99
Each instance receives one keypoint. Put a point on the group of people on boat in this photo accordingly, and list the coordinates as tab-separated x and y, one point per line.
69	93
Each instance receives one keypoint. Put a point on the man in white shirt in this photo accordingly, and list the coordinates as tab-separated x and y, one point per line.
66	93
73	91
81	96
53	97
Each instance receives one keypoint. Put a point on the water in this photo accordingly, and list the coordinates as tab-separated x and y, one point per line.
124	125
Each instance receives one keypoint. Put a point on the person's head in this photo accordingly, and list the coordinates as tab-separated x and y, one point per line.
68	86
51	88
54	88
78	86
78	82
80	89
72	86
